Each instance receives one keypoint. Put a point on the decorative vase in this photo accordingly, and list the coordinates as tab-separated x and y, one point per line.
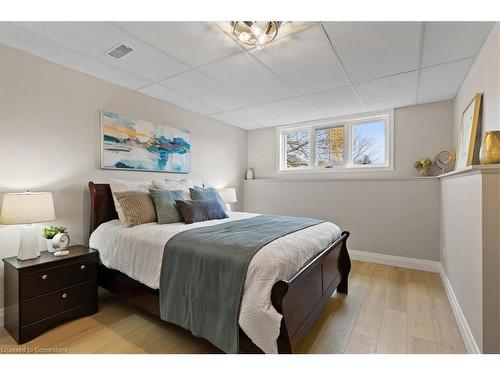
490	148
424	172
250	174
49	245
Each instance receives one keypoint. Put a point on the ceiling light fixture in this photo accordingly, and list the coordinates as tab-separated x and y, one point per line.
255	33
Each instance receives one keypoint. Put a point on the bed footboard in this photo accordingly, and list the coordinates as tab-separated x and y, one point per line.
301	299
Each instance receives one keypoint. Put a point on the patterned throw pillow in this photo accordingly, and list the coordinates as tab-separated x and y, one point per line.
166	208
126	185
137	207
207	194
200	210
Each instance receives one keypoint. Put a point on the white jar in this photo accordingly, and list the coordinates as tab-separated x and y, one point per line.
250	174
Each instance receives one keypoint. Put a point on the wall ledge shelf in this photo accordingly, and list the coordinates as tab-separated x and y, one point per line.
473	169
344	179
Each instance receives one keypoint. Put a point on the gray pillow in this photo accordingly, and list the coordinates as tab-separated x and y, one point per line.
166	208
200	210
207	194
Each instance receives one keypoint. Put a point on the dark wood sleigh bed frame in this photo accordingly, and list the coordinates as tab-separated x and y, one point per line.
299	299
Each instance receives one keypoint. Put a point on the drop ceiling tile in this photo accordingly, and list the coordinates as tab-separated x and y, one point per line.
161	92
292	111
196	85
392	92
371	50
231	119
94	39
305	60
336	102
147	62
248	78
447	41
27	41
257	115
194	43
442	82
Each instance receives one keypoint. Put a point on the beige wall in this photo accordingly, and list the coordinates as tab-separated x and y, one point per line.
491	262
49	139
470	242
389	216
419	131
484	77
461	209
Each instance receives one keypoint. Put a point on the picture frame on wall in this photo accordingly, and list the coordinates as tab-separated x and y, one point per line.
132	144
468	133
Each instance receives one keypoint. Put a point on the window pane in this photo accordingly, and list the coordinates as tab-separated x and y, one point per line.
330	147
297	149
368	143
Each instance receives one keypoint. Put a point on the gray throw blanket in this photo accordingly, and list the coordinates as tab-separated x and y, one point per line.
204	269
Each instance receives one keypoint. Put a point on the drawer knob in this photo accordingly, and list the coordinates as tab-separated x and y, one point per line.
64	295
44	277
82	267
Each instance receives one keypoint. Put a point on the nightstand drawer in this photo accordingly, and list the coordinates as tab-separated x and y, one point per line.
79	272
53	303
40	282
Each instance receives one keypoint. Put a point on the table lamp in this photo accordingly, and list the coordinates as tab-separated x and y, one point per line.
27	208
229	195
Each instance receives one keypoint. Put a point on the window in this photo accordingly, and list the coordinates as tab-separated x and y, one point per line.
297	149
368	143
330	147
338	144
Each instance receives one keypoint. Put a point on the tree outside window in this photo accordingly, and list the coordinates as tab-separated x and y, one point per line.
297	149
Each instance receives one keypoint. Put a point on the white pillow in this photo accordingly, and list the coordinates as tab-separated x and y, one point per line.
184	184
168	185
126	185
193	181
172	185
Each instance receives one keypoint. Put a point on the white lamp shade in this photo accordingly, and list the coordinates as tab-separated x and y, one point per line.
228	194
27	208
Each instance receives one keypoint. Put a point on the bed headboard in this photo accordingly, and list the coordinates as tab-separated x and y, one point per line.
102	207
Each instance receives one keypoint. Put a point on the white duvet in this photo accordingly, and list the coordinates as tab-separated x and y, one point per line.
138	253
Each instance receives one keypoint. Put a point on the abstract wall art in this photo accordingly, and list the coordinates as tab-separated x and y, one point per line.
132	144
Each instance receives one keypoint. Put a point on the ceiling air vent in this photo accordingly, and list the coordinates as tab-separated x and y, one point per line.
119	51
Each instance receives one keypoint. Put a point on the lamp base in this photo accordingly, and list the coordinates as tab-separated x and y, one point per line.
28	247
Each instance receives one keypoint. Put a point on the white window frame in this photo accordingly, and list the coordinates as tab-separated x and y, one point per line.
347	122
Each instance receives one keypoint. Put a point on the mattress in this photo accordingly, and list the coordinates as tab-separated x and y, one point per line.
138	252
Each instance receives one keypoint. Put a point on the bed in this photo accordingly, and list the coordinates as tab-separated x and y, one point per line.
320	264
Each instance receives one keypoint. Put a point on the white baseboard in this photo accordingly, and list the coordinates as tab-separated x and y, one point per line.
393	260
469	341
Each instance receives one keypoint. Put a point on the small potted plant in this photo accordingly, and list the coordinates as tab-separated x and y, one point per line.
50	232
424	167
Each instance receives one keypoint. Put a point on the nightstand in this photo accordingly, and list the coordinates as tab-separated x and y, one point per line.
43	292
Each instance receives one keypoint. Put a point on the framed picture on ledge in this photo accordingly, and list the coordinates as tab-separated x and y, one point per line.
132	144
468	133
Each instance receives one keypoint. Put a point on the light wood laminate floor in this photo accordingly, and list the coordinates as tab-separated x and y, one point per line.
388	310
